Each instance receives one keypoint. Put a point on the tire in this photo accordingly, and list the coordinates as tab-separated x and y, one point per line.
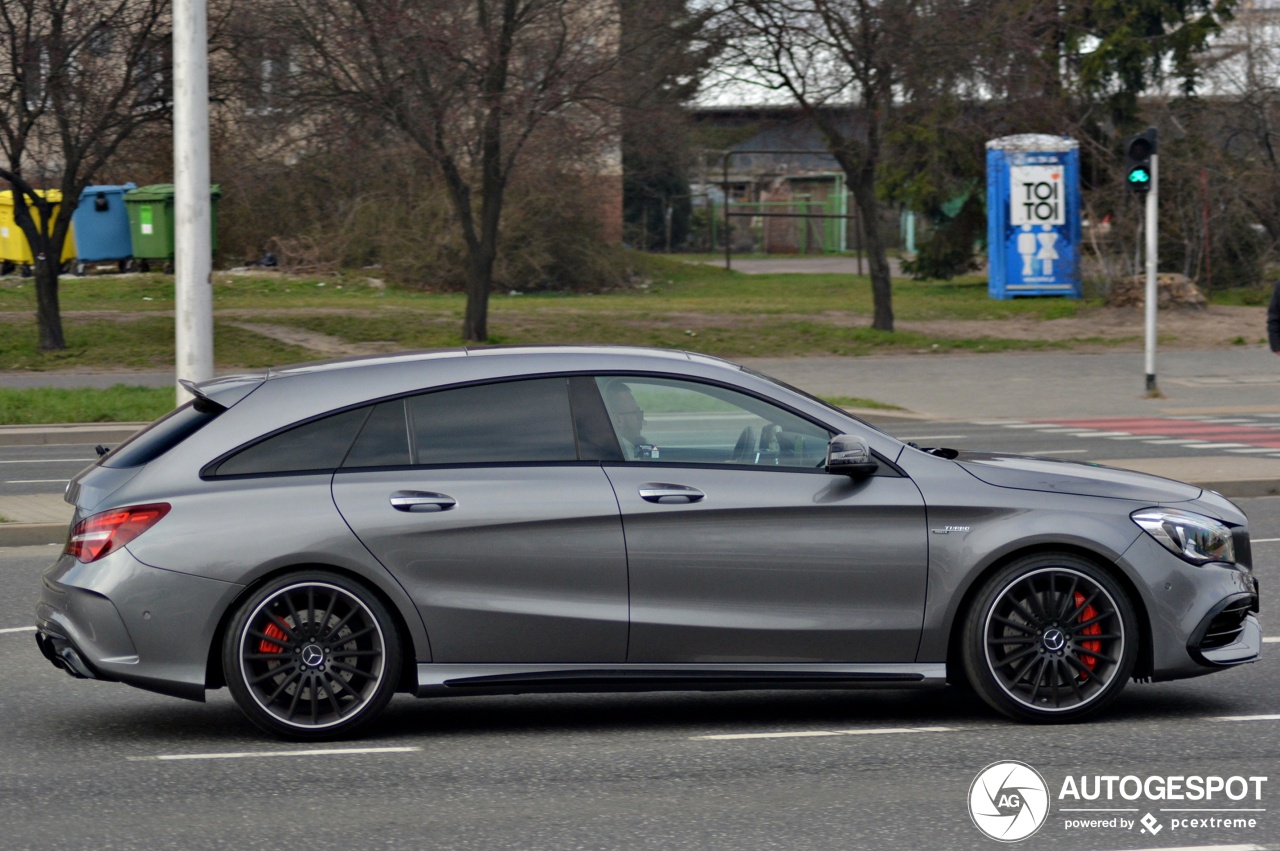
312	655
144	266
1050	638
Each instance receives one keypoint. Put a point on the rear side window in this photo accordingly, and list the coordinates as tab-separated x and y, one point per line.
516	421
318	445
162	435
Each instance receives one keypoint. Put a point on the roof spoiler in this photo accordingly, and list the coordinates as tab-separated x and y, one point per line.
203	403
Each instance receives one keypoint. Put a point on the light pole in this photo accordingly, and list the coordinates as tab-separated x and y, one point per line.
193	250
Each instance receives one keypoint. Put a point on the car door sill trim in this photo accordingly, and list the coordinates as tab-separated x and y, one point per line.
435	680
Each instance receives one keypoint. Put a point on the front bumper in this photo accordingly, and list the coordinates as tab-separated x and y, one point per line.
1201	618
118	619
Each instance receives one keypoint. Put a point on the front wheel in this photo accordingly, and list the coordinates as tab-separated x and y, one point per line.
312	655
1050	638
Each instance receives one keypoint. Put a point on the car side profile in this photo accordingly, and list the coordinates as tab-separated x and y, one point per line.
465	522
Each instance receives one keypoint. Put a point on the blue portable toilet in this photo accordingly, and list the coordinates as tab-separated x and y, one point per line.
1033	216
102	219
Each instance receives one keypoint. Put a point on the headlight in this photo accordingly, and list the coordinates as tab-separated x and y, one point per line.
1194	537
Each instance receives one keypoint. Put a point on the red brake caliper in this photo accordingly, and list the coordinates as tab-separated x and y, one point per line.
279	634
1089	614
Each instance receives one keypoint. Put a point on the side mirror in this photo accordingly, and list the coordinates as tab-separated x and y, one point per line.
850	456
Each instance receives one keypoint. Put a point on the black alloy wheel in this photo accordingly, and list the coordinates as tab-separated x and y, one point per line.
312	656
1050	638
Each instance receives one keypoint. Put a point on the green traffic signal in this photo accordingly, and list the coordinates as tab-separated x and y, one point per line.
1140	179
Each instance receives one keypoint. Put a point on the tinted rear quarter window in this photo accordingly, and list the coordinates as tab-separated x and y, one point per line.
317	445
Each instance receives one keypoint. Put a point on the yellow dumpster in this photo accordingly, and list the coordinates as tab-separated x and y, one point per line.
14	247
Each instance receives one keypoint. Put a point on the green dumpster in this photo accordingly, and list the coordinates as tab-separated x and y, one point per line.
151	223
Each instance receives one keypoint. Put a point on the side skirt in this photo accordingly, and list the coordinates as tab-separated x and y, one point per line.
441	680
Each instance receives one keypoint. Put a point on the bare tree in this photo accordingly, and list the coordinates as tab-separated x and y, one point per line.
469	82
81	77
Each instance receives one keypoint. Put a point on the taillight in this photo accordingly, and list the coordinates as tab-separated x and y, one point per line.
103	533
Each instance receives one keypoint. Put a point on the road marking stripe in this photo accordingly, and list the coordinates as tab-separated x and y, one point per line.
1272	640
1173	442
252	754
18	629
811	733
1056	452
33	481
45	460
905	438
1215	848
1247	718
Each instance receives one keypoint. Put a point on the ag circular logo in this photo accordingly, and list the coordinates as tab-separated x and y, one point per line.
1008	801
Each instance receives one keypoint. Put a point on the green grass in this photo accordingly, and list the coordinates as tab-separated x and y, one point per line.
61	405
126	321
135	343
859	402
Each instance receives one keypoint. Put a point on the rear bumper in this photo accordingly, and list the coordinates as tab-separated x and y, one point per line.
118	619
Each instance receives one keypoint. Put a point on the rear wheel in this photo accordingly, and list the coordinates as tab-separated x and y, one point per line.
312	655
1050	638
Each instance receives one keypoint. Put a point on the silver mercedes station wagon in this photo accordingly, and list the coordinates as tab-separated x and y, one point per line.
466	522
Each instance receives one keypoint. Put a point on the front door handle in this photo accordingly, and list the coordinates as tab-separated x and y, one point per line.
664	492
421	501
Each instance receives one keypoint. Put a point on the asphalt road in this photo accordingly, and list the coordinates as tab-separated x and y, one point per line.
99	765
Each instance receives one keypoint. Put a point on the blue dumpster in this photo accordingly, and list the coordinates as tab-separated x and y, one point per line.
102	226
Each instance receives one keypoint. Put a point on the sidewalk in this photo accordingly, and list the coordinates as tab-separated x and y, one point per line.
1013	386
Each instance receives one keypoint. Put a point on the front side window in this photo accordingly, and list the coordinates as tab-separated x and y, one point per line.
664	420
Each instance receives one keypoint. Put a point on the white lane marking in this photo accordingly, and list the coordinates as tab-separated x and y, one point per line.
810	733
17	629
1108	434
1057	452
33	481
1026	425
1174	442
1272	640
1253	450
1247	718
1002	422
934	437
44	460
1264	540
253	754
1141	437
1215	848
1068	430
1218	446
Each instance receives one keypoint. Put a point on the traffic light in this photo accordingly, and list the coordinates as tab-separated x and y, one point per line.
1137	160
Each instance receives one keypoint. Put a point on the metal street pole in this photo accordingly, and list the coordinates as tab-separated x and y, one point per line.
193	262
1152	292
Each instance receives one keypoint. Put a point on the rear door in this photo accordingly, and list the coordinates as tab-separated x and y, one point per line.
475	499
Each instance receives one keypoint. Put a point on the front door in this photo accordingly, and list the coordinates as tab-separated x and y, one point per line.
741	548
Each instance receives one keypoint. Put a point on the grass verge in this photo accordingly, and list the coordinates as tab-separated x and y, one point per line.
120	403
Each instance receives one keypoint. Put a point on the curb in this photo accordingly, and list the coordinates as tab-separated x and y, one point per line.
35	435
32	534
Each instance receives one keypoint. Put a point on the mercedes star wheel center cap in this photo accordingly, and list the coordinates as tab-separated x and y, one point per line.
312	656
1054	640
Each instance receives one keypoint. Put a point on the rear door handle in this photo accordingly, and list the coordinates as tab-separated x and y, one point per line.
668	493
421	501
